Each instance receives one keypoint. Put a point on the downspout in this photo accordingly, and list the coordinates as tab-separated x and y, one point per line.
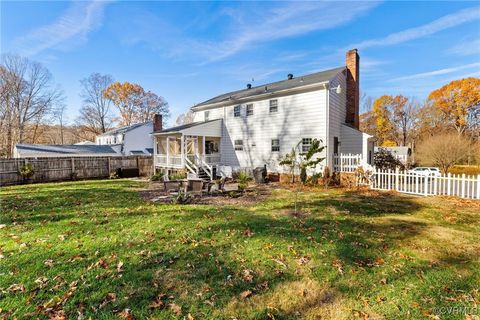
327	134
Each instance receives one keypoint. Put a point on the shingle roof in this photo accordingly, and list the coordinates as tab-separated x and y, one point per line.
66	149
124	129
275	86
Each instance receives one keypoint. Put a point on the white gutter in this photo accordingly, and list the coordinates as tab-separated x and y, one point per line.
327	134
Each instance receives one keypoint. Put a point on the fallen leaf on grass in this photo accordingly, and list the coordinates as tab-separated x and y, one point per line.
16	288
177	310
158	303
119	266
126	314
247	275
246	294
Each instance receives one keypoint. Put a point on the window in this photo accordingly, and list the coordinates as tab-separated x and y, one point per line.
206	115
250	109
273	106
275	145
238	145
336	143
306	144
236	111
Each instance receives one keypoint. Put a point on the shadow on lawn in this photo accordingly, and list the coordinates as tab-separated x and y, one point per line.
202	264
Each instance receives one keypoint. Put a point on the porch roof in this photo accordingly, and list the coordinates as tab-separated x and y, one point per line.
211	128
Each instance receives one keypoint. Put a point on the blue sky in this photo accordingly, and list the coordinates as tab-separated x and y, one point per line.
191	51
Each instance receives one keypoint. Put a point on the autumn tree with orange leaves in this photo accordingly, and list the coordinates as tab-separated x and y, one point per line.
135	104
459	102
394	118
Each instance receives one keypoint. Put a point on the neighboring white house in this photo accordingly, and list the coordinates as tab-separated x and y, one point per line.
130	140
403	154
258	125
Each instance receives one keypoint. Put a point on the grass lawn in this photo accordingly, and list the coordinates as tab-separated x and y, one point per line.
96	249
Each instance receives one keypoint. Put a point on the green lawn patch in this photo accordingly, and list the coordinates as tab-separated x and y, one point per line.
96	249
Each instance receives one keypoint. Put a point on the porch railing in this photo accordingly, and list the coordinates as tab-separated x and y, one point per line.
170	161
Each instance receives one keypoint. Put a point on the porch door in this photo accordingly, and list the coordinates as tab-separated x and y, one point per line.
191	147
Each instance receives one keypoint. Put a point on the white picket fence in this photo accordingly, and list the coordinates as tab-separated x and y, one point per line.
346	162
449	185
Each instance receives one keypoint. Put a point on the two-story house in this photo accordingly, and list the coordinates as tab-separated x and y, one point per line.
129	140
259	125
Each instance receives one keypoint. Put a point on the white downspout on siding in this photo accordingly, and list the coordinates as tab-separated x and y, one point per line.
327	133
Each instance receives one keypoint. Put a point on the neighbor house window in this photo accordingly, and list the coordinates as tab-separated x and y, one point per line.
206	115
250	109
238	145
273	106
236	111
306	144
275	145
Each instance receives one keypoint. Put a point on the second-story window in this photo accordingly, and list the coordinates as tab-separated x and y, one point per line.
250	109
236	111
206	115
275	145
273	106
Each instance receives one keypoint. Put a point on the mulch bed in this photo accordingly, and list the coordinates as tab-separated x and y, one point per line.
255	193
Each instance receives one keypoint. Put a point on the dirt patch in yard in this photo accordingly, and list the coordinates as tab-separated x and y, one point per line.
256	193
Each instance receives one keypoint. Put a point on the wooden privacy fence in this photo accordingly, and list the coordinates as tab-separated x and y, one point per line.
413	183
58	169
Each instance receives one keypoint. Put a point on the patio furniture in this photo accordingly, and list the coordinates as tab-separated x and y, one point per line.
173	185
195	186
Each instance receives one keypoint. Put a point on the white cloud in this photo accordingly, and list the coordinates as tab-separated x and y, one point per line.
445	22
437	72
286	21
75	24
466	47
247	26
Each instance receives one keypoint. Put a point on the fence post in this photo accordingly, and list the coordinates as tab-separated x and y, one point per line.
72	160
478	186
463	186
448	183
341	163
425	185
109	165
396	178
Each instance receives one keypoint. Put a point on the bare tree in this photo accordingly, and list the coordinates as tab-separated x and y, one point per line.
95	113
444	150
184	118
29	95
150	105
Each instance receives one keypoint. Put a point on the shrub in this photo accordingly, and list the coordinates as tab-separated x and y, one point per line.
182	198
315	178
468	170
384	159
243	179
157	176
113	175
26	171
178	175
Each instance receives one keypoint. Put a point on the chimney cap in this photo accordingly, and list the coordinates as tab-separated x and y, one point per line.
290	76
249	86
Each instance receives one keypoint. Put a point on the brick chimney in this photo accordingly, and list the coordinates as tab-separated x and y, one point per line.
157	123
353	88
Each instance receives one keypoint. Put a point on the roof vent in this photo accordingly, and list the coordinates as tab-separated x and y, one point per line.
249	86
290	76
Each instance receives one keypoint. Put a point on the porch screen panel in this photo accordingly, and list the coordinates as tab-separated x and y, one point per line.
175	146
